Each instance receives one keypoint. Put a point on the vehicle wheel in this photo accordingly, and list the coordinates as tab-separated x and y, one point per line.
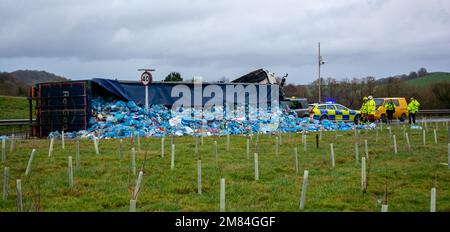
357	118
383	118
323	117
403	118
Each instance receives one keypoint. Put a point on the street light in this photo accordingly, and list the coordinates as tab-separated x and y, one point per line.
321	62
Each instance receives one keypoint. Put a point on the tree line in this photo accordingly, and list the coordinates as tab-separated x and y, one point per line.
350	92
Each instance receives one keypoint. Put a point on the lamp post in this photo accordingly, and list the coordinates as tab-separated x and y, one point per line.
321	62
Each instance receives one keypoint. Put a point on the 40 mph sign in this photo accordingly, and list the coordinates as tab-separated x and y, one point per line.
146	78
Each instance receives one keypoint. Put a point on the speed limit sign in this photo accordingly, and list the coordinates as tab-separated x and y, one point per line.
146	78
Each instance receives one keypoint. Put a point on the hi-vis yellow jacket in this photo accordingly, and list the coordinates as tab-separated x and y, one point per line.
413	106
371	106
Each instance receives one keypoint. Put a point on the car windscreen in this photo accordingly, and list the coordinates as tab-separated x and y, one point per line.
378	101
341	107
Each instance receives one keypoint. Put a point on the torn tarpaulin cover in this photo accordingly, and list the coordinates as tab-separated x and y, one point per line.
119	119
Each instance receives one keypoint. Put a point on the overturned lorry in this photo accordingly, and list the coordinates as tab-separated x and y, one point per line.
67	106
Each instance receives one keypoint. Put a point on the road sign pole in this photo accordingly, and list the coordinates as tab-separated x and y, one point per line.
146	98
146	79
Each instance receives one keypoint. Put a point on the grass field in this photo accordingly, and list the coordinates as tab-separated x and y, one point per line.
13	108
430	79
104	182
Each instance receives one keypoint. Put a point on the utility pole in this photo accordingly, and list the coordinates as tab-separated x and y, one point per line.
321	62
318	80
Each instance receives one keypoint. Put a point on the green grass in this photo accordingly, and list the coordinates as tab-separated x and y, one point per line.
104	183
14	108
430	79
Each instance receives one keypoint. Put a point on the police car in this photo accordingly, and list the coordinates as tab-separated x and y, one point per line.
334	112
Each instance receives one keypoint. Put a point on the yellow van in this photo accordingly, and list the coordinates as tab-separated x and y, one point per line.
401	111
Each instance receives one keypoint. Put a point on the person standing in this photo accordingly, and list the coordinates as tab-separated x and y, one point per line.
390	110
413	108
371	108
364	110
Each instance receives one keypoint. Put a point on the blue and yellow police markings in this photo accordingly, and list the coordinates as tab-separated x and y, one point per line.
339	113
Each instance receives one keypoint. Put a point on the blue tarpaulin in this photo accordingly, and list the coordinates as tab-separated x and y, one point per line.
160	93
114	87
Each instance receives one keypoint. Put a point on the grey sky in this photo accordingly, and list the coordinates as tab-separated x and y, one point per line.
112	39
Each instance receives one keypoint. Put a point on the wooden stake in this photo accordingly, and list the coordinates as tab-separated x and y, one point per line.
62	140
448	160
96	146
215	152
77	154
28	170
257	143
199	176
247	148
70	172
279	135
172	161
304	187
435	136
222	195
423	135
407	141
296	160
332	155
138	185
404	130
256	167
11	148
162	147
133	161
196	146
132	205
320	133
317	141
3	150
448	134
202	135
228	142
19	195
50	149
433	200
139	142
384	206
304	144
357	152
363	174
366	149
5	183
395	144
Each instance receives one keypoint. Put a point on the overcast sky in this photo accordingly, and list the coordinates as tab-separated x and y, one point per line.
224	38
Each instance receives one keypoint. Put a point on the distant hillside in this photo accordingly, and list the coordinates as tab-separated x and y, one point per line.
430	79
10	86
18	82
32	77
